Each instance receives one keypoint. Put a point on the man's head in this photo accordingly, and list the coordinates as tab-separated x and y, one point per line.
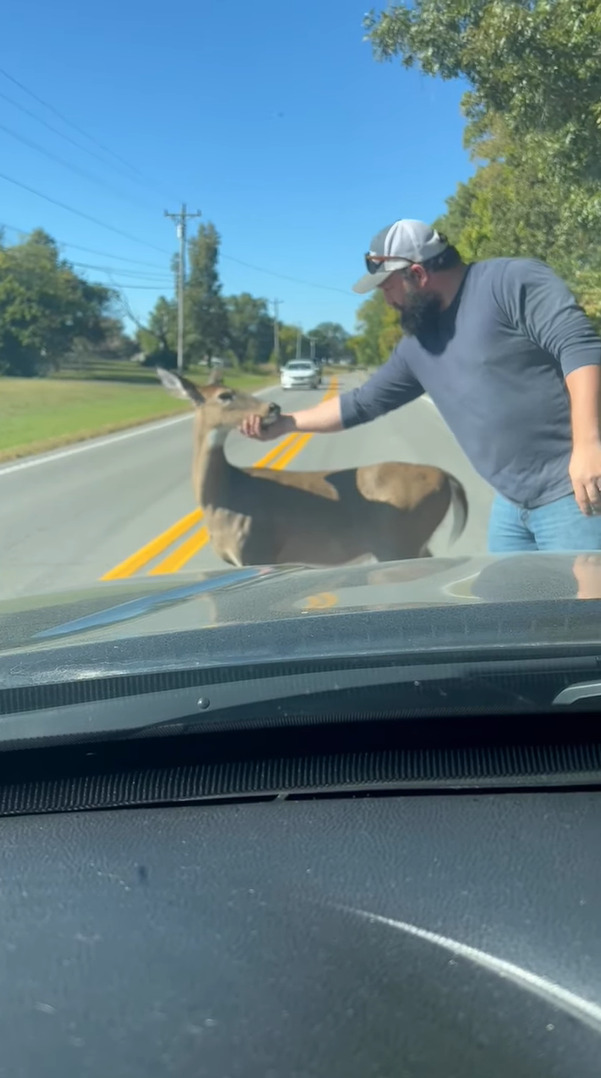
410	262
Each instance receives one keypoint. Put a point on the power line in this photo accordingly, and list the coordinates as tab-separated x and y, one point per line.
228	258
73	142
105	149
57	131
88	250
282	276
67	164
67	121
147	287
80	213
107	254
161	278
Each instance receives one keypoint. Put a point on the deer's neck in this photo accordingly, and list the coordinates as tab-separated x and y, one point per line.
212	473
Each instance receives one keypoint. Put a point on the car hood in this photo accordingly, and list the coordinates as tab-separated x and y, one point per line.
273	612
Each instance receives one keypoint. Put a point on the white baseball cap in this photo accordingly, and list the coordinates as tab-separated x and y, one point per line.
397	246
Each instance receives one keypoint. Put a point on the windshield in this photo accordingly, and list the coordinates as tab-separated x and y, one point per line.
420	243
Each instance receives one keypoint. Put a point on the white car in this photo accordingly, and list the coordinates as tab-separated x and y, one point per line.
300	374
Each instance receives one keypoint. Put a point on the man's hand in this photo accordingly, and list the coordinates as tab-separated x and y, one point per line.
322	418
585	473
252	427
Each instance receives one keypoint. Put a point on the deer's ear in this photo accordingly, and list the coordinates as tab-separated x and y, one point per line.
179	386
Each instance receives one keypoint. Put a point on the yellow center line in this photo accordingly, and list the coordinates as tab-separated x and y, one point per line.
278	457
156	546
182	554
273	453
291	453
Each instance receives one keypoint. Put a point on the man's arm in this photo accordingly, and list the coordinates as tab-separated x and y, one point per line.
324	418
392	385
547	311
584	387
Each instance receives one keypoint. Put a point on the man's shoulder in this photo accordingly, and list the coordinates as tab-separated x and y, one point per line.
505	282
503	270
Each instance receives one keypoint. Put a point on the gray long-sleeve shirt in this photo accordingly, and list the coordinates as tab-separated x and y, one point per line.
494	366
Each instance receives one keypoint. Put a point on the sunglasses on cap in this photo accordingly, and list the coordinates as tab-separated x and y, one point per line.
374	262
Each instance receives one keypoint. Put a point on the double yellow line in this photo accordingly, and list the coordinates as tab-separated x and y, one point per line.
277	458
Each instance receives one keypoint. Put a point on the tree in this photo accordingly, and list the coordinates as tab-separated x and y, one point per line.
250	329
288	336
534	119
205	312
378	331
116	343
535	62
330	340
158	340
45	308
513	207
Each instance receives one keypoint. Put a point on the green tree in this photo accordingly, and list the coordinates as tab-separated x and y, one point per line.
163	323
378	331
288	335
205	311
250	329
116	343
534	124
158	340
330	339
513	207
535	62
45	308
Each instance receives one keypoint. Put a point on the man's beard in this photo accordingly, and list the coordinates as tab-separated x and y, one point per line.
419	312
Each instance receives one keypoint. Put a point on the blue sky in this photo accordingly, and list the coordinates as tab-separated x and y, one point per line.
273	119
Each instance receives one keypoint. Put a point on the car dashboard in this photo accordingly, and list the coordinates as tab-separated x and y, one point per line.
340	902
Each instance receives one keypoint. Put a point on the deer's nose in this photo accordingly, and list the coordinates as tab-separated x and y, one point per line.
274	409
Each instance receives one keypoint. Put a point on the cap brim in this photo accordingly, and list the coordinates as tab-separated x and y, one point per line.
371	281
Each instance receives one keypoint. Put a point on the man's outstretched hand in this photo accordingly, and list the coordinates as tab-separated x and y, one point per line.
252	427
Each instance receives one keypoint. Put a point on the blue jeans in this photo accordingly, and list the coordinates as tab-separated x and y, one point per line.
557	526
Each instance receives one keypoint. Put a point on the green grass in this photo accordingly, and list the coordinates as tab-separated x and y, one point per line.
108	370
127	373
38	414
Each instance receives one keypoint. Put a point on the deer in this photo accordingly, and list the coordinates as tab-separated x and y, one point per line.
262	516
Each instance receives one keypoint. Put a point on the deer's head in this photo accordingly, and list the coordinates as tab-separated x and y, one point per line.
218	406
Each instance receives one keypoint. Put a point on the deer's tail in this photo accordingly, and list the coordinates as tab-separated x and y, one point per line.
459	506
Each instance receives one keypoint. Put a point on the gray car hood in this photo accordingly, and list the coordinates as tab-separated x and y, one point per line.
277	612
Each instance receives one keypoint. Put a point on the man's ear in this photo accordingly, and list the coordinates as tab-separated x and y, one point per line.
180	387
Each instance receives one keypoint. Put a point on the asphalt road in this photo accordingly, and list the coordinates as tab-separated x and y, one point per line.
122	506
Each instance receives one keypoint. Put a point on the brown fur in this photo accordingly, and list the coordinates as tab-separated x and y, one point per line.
259	516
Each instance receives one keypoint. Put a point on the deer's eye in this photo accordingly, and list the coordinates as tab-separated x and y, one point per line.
225	396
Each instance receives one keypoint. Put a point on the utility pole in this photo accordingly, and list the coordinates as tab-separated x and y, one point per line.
276	329
299	337
181	219
312	343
